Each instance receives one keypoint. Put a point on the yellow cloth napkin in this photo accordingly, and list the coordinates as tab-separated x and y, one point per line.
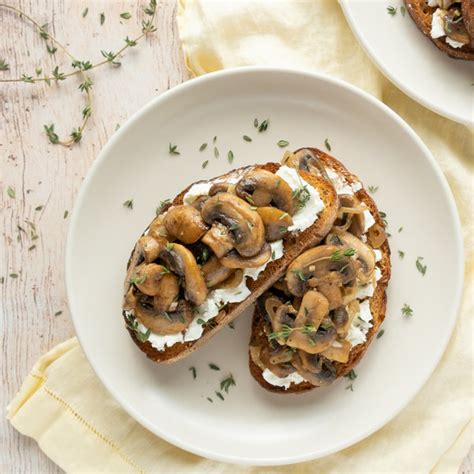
80	427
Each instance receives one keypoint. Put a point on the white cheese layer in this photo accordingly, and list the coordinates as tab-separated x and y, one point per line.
285	382
360	325
437	24
453	44
302	219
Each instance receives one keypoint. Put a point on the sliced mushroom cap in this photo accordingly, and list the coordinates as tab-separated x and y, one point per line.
281	316
163	322
151	247
199	202
323	372
219	239
185	223
158	230
339	351
147	278
276	222
350	215
245	225
454	26
218	188
331	290
182	262
317	265
340	317
167	294
214	272
261	187
364	255
281	285
312	335
376	236
282	369
305	160
234	260
233	281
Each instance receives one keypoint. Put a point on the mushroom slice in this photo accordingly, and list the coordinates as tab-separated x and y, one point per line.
151	247
340	317
234	260
352	310
182	262
244	224
162	322
339	351
350	215
262	187
305	160
199	202
330	287
214	272
323	372
282	369
281	285
364	255
219	240
281	317
167	294
147	278
276	222
314	331
233	281
455	27
317	265
217	188
158	230
185	223
376	236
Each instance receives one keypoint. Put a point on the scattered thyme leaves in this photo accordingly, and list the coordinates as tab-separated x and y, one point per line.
173	149
204	164
137	279
13	275
400	229
227	383
247	138
66	213
301	195
209	399
392	11
350	387
407	310
162	205
216	152
255	123
401	253
125	15
214	139
373	189
85	12
128	203
214	366
193	371
230	156
102	19
327	144
51	134
263	126
58	313
38	208
283	143
203	147
351	375
231	325
339	254
4	66
299	274
11	192
420	267
380	333
403	10
219	394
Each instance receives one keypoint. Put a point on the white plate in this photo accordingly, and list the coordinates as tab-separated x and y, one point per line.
411	61
253	426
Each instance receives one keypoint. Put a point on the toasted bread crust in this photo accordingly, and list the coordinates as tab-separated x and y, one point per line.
422	15
377	302
293	246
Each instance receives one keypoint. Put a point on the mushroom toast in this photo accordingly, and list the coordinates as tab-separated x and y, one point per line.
316	322
218	246
449	24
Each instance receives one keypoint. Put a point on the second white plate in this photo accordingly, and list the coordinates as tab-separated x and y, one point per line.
412	61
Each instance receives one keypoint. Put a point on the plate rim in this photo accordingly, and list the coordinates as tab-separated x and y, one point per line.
221	75
346	9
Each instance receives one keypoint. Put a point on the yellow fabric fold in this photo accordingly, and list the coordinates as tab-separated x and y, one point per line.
64	407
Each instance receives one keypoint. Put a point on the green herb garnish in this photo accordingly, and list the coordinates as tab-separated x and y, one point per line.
263	125
230	156
407	310
227	383
3	65
327	144
193	370
351	375
160	208
299	274
204	164
302	196
203	147
380	333
11	192
219	394
125	15
255	123
283	143
247	138
128	203
102	19
66	213
373	189
137	279
420	267
339	254
401	253
58	313
392	11
85	12
214	366
173	149
216	152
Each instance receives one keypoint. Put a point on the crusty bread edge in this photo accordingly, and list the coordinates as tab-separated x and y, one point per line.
414	8
378	300
293	246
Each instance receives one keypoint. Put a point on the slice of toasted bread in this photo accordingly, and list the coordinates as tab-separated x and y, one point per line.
422	15
377	301
294	244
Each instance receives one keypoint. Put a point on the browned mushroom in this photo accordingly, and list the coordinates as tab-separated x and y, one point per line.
316	370
163	322
350	215
199	202
376	236
158	230
219	239
280	369
261	187
214	272
234	260
455	27
166	296
185	223
276	222
316	266
305	160
233	281
339	351
147	278
244	224
281	317
182	262
221	187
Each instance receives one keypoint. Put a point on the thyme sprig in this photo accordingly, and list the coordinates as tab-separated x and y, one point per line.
79	67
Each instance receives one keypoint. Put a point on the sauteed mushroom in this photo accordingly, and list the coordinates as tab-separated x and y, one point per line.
234	280
182	262
234	260
167	293
219	239
321	372
276	222
185	223
305	160
376	236
218	188
350	215
151	247
261	187
245	225
454	26
214	272
280	316
280	369
147	278
316	266
339	352
163	322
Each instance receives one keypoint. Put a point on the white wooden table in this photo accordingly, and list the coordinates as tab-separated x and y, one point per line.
47	175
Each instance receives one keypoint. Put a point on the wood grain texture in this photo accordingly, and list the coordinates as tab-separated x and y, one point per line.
46	175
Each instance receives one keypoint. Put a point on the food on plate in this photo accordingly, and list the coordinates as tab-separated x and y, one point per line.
316	322
448	23
215	248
